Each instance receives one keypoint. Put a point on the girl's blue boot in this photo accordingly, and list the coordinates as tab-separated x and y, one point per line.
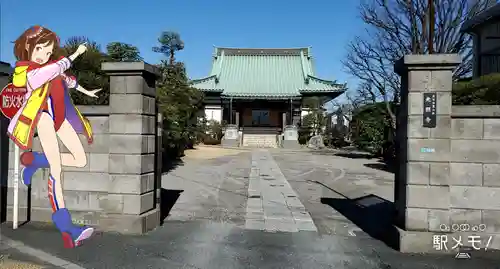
73	235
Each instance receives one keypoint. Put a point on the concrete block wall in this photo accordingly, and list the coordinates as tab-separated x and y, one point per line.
83	187
475	165
116	190
448	175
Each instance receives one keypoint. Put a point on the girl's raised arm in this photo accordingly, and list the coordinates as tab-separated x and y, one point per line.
70	81
37	77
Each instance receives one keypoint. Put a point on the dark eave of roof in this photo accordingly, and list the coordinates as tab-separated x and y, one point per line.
5	68
490	14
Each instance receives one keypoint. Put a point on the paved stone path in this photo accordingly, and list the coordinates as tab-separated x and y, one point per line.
212	190
272	204
272	190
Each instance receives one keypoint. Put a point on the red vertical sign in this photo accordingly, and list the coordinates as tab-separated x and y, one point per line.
11	100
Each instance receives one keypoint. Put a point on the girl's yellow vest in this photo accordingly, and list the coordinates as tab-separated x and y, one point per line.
24	129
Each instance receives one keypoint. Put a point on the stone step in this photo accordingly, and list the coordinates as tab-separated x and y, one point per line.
261	145
260	140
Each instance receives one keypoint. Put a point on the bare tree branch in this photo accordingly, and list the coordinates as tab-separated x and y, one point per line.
398	27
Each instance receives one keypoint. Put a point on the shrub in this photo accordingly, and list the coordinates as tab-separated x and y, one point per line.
304	135
179	104
335	137
484	90
214	129
370	128
208	140
213	134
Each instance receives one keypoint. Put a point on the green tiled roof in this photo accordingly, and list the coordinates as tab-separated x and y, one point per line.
264	73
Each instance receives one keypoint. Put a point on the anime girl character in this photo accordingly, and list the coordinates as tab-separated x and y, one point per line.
48	108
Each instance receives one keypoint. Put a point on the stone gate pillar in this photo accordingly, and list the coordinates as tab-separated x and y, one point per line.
422	186
132	124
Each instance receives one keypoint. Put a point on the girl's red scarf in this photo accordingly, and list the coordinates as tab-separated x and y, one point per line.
55	92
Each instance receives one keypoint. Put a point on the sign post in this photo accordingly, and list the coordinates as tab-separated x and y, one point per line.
12	99
15	215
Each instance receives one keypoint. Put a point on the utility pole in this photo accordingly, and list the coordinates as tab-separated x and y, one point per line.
432	17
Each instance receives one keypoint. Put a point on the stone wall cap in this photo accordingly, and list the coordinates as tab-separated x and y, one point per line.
475	111
5	68
124	67
431	61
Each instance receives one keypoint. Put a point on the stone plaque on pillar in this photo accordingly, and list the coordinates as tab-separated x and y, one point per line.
429	110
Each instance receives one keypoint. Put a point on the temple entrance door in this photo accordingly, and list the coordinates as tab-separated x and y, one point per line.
260	118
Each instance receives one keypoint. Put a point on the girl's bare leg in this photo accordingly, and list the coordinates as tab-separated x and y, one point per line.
72	235
68	136
50	146
75	158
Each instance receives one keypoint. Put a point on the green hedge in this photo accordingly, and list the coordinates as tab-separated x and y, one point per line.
481	91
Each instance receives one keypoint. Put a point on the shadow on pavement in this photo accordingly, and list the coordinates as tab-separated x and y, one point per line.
380	166
371	213
354	155
170	164
167	201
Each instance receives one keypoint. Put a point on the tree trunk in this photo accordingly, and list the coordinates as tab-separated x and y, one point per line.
172	57
414	29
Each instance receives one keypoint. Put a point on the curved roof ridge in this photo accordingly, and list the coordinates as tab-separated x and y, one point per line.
263	51
268	48
199	80
332	82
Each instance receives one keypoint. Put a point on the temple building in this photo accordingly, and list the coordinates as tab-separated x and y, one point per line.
259	92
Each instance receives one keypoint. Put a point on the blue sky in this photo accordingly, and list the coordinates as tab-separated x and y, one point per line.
326	25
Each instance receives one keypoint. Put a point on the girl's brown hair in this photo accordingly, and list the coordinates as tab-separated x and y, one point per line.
25	44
